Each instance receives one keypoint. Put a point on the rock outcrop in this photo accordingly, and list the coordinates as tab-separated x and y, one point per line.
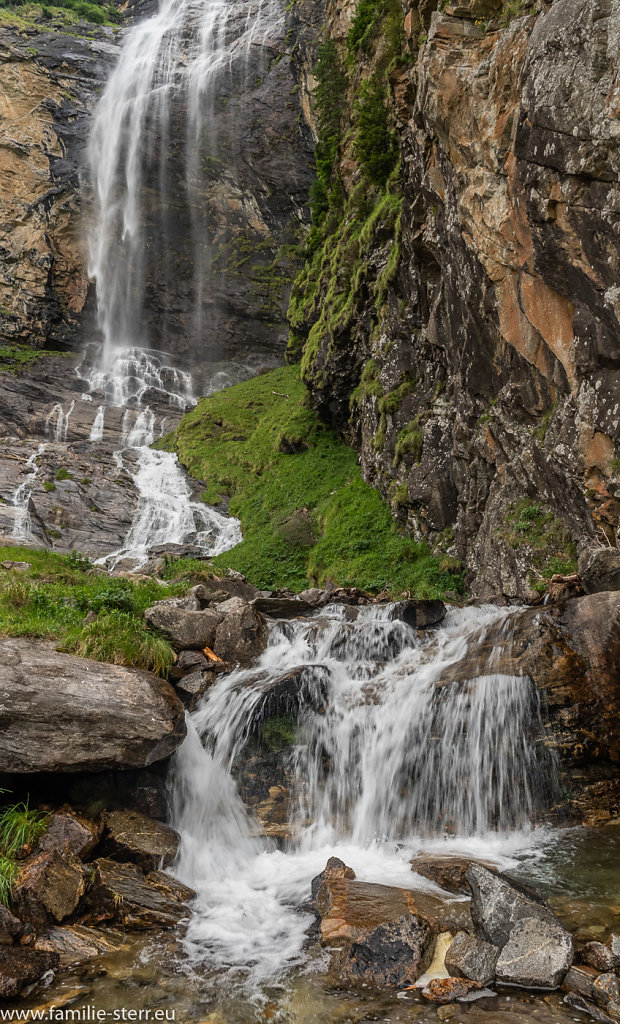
66	714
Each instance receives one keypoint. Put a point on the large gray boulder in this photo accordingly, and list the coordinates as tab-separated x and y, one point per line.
242	634
537	955
469	957
497	905
59	713
185	629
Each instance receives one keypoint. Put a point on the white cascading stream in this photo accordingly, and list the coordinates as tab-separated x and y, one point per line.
390	756
22	526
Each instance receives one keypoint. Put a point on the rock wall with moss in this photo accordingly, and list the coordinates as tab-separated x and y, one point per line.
458	313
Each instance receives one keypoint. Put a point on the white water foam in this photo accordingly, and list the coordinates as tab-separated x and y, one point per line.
22	526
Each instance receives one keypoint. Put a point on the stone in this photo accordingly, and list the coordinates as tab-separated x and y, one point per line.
497	904
578	1002
66	714
538	954
447	990
606	989
191	688
242	635
394	954
184	629
21	968
599	569
314	597
10	927
69	831
335	868
469	957
419	614
48	888
170	887
120	893
216	590
283	607
16	566
191	661
77	944
287	693
599	955
579	979
447	871
132	836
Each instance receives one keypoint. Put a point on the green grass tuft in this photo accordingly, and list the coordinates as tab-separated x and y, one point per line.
20	826
9	871
232	439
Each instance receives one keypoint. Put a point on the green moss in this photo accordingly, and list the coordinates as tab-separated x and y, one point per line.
15	358
535	526
53	596
61	13
49	485
232	440
279	733
62	474
375	145
540	432
409	444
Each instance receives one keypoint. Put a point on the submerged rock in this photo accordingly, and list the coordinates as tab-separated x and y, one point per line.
472	958
66	714
76	944
419	614
449	990
538	954
132	836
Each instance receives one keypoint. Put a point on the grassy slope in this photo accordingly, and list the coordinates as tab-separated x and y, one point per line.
52	598
237	442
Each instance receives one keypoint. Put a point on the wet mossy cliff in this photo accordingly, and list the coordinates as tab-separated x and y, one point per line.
458	314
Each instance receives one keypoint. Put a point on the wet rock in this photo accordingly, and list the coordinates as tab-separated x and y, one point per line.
335	868
132	836
600	956
497	905
606	989
609	1016
170	887
20	968
599	569
49	887
395	953
76	944
66	714
10	927
579	979
419	614
122	894
191	688
184	629
538	954
191	661
283	607
314	597
447	872
447	990
68	831
305	686
242	635
469	957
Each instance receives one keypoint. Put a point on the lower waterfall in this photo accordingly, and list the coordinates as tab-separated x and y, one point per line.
394	751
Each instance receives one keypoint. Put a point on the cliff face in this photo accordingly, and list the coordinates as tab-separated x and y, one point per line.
475	361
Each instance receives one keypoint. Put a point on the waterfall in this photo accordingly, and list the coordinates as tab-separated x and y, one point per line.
395	748
22	527
96	431
160	99
166	513
57	422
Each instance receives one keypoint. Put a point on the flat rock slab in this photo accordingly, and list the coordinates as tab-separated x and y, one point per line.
132	836
538	954
77	944
59	713
447	871
122	894
20	967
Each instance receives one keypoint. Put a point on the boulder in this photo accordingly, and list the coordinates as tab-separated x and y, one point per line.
59	713
192	687
132	836
214	591
599	569
538	954
419	614
285	694
122	894
579	979
449	990
609	1016
283	607
48	888
497	905
191	661
184	629
606	989
469	957
68	831
600	956
10	927
448	872
395	953
335	868
77	943
21	968
314	597
242	635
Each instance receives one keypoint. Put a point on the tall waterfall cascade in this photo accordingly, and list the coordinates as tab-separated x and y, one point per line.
391	754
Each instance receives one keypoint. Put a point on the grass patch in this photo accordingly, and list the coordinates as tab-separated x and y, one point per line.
52	598
534	526
233	440
20	827
17	358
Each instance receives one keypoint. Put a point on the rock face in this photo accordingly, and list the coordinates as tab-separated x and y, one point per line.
477	345
62	713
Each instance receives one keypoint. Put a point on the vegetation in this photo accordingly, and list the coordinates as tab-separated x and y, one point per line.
279	733
15	358
259	444
53	597
20	827
536	527
95	12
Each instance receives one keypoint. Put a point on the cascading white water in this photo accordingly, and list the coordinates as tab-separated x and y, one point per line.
390	754
96	431
57	422
22	527
160	97
166	513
